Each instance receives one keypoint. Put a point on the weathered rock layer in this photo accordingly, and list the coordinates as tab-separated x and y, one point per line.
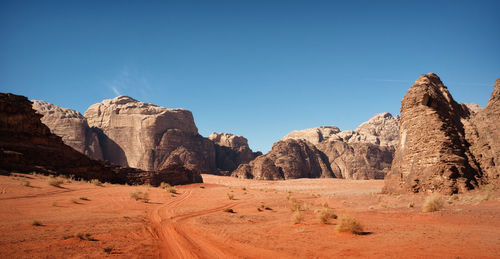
444	146
27	145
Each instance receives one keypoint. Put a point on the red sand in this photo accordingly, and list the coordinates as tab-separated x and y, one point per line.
193	223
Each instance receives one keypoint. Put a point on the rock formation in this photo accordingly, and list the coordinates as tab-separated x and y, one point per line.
444	146
288	159
231	151
148	136
27	145
71	126
363	153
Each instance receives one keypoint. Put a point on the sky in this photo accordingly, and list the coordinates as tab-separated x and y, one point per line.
260	69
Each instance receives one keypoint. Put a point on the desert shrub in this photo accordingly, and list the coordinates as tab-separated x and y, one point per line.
411	204
84	199
349	224
229	210
67	237
202	187
96	182
55	182
36	223
138	195
259	209
325	214
297	217
108	249
85	236
244	188
433	202
230	196
168	187
296	205
25	183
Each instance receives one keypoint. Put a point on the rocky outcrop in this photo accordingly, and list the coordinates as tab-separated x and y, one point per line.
148	136
27	145
444	146
288	159
231	151
363	153
71	126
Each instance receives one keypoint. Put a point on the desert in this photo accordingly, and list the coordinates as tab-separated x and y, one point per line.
249	129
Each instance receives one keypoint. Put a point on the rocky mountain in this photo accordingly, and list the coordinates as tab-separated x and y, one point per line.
444	146
231	151
149	137
288	159
27	145
71	126
364	153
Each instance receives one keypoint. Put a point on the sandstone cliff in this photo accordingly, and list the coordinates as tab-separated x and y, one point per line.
71	126
231	151
444	146
363	153
148	136
27	145
288	159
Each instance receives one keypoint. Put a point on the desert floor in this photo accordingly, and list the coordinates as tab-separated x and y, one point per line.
84	220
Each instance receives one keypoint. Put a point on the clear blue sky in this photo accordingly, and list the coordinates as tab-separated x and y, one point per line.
255	68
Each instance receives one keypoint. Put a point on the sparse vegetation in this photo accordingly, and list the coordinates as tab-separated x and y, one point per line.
434	202
229	210
25	183
68	237
296	205
259	209
244	188
349	224
36	223
411	204
297	217
138	195
108	249
55	182
202	187
325	214
96	182
168	187
85	236
84	199
230	196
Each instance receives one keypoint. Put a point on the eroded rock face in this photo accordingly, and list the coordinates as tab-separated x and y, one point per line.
288	159
364	153
441	140
27	145
231	151
71	126
148	136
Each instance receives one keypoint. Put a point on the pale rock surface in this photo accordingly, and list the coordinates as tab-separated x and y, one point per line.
148	136
71	126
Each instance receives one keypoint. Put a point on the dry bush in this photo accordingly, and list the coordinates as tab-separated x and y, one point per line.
96	182
229	210
230	196
325	214
25	183
138	195
433	202
86	236
55	182
36	223
84	199
168	187
297	217
349	224
108	249
296	205
411	204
